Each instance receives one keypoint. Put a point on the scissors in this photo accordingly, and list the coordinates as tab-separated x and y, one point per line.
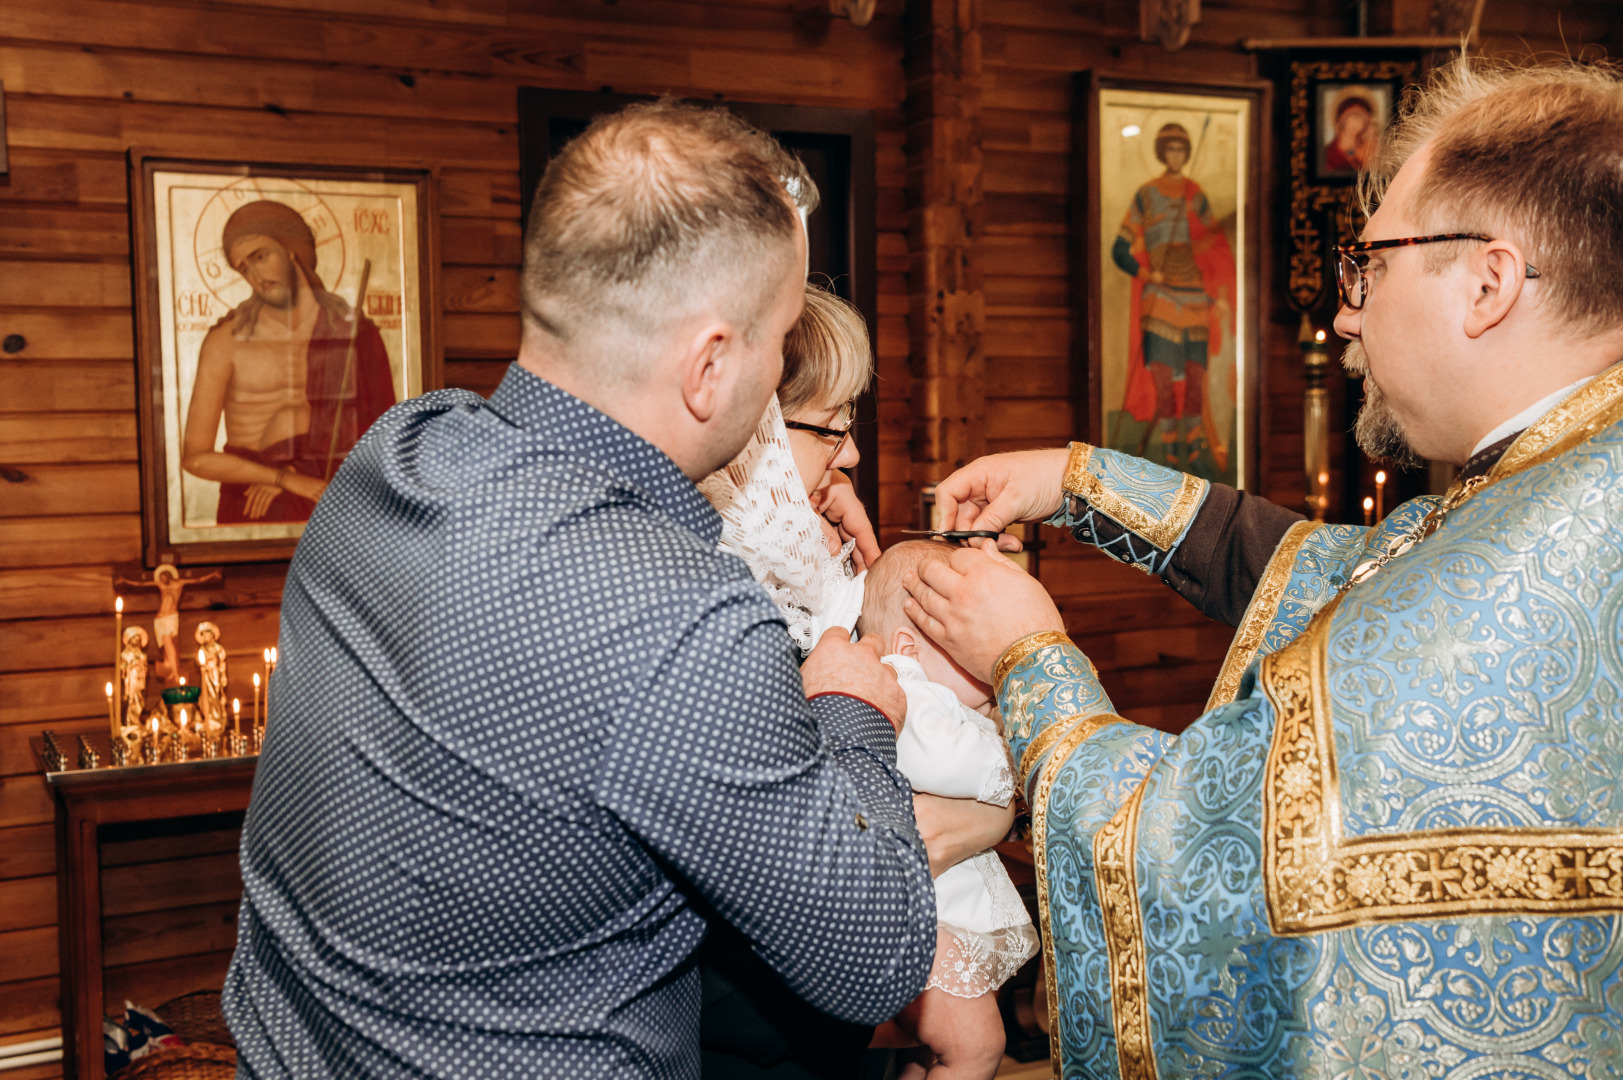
955	534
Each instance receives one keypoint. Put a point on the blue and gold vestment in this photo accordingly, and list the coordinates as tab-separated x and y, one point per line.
1393	845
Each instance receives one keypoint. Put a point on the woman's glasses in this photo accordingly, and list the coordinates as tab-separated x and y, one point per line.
1352	267
839	430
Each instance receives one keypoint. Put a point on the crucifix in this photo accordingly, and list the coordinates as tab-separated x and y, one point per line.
166	624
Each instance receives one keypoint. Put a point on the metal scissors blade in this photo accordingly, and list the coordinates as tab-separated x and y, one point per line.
955	534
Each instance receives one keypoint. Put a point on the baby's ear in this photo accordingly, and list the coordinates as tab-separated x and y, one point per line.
904	642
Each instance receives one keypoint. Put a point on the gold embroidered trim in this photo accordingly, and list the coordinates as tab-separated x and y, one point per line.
1115	850
1259	614
1022	649
1595	406
1076	467
1063	729
1160	532
1039	850
1043	743
1316	879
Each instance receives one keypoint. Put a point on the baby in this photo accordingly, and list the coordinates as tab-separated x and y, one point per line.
950	746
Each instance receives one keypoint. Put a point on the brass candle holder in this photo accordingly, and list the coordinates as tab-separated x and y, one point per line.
1315	420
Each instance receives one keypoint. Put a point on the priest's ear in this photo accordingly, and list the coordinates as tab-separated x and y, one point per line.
1496	274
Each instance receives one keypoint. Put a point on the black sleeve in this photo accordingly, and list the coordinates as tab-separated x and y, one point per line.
1224	553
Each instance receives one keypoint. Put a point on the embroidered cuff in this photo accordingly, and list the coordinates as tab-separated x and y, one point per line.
1020	650
1133	511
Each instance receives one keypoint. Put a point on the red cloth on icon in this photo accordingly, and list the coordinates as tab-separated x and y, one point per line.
1215	260
372	393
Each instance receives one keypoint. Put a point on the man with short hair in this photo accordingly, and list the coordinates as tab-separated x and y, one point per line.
1393	845
530	727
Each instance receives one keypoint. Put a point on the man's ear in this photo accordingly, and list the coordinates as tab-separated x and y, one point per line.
1496	277
705	369
903	642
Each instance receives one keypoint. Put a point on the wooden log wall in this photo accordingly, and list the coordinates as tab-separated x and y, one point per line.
432	83
402	83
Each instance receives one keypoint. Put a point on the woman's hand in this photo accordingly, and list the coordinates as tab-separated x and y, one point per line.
955	829
837	501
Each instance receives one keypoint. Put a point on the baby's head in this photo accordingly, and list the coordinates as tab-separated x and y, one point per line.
883	614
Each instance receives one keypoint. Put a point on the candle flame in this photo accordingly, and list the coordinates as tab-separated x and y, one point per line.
109	689
236	705
1380	476
273	654
1369	503
154	724
183	680
1319	337
183	719
202	657
266	655
256	680
118	604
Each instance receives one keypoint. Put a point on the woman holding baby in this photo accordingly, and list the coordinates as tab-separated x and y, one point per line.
789	511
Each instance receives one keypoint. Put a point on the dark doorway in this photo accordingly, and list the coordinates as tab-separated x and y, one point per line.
837	147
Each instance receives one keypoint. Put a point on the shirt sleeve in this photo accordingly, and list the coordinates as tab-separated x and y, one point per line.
788	818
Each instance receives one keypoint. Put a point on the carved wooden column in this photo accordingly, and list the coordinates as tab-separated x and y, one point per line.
947	301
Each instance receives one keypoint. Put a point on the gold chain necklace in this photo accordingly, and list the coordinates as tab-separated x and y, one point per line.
1457	494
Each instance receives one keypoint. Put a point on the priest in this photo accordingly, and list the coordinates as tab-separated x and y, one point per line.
1393	844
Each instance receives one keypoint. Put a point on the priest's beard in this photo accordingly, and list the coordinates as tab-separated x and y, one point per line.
1377	432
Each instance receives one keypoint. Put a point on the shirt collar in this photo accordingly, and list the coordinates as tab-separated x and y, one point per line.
1527	416
558	418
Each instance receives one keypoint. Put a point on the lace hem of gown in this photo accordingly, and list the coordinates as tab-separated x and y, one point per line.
969	964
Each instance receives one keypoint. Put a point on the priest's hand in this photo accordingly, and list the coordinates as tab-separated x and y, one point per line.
995	492
838	666
977	605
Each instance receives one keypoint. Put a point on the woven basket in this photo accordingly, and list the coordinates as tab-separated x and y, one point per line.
197	1061
196	1018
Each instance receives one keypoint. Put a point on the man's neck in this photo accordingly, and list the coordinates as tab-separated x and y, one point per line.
1526	416
630	408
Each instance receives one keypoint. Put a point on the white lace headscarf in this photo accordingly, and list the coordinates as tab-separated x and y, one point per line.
767	520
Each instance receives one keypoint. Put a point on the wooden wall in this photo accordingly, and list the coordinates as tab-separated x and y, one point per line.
412	83
432	83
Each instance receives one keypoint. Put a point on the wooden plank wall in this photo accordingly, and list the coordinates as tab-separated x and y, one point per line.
432	83
412	83
1157	655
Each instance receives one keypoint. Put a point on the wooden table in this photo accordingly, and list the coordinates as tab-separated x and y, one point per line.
87	799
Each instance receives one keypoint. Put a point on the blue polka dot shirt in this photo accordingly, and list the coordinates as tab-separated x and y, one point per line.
530	730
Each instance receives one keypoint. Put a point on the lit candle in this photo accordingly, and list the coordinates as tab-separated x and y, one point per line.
256	699
118	661
236	716
183	680
1369	511
112	714
1380	494
181	723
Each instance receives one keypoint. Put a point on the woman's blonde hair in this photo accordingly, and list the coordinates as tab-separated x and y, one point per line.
826	357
